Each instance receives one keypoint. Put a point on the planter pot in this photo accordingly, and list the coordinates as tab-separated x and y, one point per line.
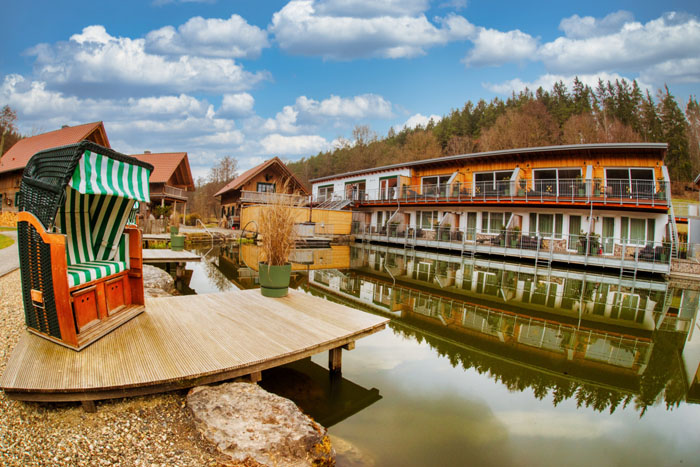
174	230
274	280
177	242
581	192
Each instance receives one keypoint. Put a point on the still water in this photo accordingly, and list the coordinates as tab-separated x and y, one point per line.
491	362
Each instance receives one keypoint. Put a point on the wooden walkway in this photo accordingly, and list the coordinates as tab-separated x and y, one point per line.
168	256
185	341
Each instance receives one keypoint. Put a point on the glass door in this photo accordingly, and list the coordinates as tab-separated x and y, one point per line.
574	232
608	235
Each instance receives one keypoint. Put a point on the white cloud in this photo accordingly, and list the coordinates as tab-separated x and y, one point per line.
634	46
684	70
417	120
456	4
357	107
236	105
492	47
94	61
371	8
301	27
277	144
284	121
213	37
547	80
307	113
577	27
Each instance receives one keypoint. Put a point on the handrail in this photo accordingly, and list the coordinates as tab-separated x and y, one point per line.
578	190
207	230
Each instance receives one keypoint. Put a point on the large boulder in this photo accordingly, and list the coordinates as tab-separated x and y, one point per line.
157	282
245	421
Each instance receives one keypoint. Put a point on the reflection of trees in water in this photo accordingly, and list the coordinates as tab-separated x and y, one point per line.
661	379
216	277
664	373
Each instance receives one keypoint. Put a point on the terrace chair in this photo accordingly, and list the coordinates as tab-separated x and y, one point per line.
81	265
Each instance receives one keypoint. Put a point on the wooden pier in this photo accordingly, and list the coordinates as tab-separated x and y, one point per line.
169	256
185	341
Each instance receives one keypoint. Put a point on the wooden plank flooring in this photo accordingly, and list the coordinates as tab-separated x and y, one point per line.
168	256
184	341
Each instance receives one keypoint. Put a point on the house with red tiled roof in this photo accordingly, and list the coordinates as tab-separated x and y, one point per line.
170	180
15	159
251	186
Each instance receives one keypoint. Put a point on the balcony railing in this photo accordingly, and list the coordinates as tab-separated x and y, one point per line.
630	254
259	197
575	190
169	191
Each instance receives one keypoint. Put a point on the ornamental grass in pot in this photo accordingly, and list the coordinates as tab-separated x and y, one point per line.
277	220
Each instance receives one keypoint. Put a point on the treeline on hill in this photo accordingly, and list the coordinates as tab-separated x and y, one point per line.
613	112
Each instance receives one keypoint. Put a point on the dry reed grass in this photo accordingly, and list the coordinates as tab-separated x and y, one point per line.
277	219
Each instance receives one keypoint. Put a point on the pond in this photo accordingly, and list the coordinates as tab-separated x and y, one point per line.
491	362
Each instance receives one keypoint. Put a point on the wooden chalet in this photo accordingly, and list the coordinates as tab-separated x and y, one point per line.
253	185
14	161
170	180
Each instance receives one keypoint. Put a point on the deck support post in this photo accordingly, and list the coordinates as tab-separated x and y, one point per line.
89	406
335	360
255	377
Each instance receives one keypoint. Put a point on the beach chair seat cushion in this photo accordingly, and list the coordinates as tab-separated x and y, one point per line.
93	270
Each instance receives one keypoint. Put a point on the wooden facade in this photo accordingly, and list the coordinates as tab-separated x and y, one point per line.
170	180
12	163
269	177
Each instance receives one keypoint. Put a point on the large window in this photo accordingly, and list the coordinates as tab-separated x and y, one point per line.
387	187
546	225
491	183
325	192
637	231
558	182
494	222
355	190
630	182
427	220
435	185
266	187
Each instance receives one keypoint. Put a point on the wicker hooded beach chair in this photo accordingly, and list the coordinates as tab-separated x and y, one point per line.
81	264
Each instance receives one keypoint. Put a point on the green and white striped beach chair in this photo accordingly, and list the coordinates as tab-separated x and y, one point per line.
76	201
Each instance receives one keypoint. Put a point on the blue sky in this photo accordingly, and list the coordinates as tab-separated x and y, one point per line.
255	79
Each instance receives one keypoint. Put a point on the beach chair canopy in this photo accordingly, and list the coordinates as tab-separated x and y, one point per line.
86	192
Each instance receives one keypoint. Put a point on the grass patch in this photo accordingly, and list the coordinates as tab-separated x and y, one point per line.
5	241
6	229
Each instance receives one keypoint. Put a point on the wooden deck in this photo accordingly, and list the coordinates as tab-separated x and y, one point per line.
180	342
169	256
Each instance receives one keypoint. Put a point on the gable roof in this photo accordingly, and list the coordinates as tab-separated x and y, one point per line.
166	164
17	156
241	180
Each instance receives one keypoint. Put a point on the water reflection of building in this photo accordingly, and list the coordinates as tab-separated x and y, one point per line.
565	333
610	299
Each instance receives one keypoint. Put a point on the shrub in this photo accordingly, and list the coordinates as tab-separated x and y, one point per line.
191	219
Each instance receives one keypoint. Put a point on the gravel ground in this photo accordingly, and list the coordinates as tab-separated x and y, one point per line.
142	431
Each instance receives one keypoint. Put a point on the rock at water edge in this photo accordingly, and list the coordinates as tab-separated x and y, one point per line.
245	421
